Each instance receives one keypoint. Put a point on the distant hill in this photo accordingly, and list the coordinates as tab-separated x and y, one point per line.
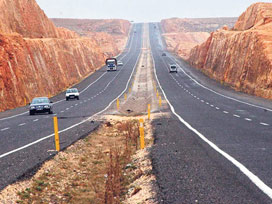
196	24
84	26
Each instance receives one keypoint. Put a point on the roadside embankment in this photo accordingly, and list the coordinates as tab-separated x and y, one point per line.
39	59
240	57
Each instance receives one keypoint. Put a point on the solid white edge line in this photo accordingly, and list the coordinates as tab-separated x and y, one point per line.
75	125
258	182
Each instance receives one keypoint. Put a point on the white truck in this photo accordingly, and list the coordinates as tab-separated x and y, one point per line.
111	64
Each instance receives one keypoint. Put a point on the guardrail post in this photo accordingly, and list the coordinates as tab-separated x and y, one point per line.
56	128
141	127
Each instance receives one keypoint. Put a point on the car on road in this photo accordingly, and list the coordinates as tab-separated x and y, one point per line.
71	94
173	68
40	105
163	54
119	63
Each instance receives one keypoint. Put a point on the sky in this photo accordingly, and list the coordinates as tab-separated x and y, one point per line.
144	10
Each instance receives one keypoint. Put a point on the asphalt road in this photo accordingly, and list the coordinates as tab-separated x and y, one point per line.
27	141
217	142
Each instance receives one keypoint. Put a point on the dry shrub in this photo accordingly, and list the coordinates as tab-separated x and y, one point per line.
116	181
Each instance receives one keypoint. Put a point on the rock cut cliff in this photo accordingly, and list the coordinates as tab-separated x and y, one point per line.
39	59
242	56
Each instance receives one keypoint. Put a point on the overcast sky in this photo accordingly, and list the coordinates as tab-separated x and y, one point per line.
143	10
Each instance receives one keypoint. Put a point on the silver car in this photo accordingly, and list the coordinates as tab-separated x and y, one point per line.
119	63
40	105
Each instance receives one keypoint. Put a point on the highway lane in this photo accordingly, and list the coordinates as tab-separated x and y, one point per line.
22	130
238	125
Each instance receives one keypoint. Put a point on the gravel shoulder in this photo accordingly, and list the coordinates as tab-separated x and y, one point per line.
189	171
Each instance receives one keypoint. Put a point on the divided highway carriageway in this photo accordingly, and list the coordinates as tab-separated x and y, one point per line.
27	141
215	147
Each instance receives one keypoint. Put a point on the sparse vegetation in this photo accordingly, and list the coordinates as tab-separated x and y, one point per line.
97	169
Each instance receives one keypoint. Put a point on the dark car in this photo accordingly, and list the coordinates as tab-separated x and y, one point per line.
163	54
40	105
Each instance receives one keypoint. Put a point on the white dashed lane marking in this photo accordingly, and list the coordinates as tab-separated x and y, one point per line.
4	129
265	124
22	124
226	112
35	120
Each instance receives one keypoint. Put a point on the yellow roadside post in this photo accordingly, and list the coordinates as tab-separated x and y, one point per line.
56	133
117	103
157	93
148	111
129	90
160	101
125	96
142	142
25	101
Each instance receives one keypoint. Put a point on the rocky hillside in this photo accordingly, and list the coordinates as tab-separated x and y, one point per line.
39	59
242	56
182	34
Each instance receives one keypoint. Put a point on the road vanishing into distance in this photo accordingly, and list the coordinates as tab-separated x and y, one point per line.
232	132
215	147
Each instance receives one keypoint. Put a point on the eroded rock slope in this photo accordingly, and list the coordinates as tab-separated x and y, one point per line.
39	59
242	56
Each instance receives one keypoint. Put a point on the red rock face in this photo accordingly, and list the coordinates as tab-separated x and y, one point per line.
241	59
38	59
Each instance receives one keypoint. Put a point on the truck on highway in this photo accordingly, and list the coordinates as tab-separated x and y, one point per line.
111	64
